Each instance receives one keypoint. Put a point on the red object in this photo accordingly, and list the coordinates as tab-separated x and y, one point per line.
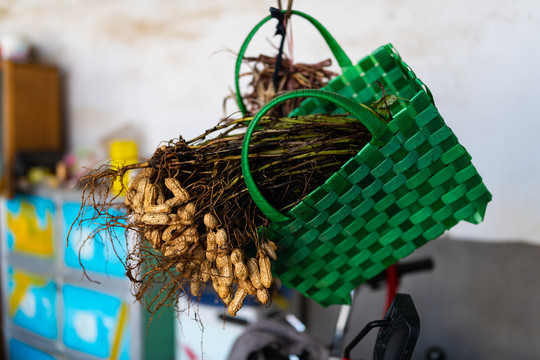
392	282
190	353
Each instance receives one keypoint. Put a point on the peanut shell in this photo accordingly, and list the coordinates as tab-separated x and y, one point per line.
205	270
237	302
228	299
240	270
221	238
175	248
214	276
172	231
222	260
153	237
254	274
174	202
130	193
175	187
174	219
263	295
149	196
248	286
195	284
155	219
237	256
269	250
224	291
211	246
161	208
266	272
224	266
210	221
191	234
160	195
141	189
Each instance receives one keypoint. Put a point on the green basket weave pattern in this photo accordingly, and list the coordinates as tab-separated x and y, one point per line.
406	187
399	192
359	83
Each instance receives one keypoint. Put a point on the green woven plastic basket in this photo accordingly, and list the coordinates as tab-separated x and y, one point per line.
406	187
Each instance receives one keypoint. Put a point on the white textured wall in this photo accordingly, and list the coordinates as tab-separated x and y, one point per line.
159	68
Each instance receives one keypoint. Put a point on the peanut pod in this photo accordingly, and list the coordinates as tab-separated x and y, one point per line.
211	246
214	276
187	213
237	302
263	295
174	219
226	273
174	202
221	238
175	187
210	221
130	193
153	237
222	260
240	270
155	219
160	195
248	286
228	299
149	196
269	250
172	231
138	199
135	195
237	256
195	284
254	274
191	234
266	271
205	270
175	247
161	208
137	203
224	291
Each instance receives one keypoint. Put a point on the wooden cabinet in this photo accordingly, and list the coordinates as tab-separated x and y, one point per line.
31	115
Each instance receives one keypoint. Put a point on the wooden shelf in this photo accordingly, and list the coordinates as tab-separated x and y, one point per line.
31	115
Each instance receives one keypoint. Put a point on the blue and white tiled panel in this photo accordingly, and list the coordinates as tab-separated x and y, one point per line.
31	230
19	350
94	323
32	302
31	226
97	255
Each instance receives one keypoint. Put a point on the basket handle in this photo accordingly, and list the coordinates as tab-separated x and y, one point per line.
343	60
378	129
